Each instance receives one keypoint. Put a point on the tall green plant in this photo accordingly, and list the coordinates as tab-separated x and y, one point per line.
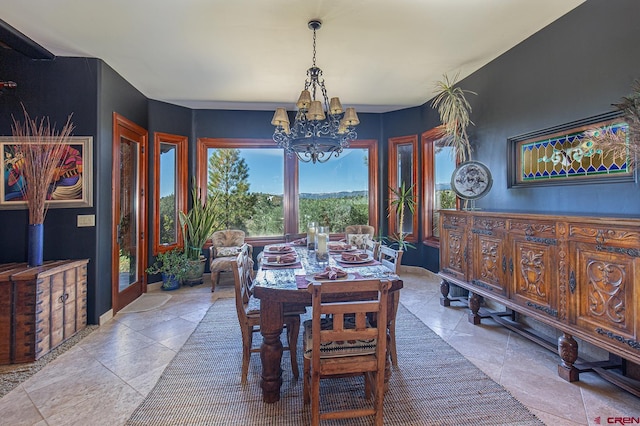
454	110
199	222
402	198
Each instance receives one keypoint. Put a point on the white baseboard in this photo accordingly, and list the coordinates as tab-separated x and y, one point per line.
106	317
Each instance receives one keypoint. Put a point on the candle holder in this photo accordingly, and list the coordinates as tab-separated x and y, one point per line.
322	240
312	227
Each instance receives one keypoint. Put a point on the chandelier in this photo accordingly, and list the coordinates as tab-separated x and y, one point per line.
319	131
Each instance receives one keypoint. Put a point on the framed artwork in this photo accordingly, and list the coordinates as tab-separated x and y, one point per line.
74	184
567	154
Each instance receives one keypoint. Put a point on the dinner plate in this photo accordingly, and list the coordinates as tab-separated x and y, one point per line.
368	259
285	249
279	264
345	249
310	278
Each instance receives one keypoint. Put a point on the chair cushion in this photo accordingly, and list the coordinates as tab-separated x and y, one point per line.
221	263
359	240
337	349
227	251
253	307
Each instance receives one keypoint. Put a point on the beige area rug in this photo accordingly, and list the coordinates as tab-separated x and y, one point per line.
433	385
146	302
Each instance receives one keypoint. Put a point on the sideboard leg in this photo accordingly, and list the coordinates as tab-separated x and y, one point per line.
474	306
568	350
444	290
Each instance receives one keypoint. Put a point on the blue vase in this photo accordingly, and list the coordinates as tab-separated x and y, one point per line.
170	282
35	244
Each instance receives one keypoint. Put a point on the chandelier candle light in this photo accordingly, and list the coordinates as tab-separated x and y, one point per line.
318	131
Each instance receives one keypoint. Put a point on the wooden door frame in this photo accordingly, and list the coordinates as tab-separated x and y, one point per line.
123	127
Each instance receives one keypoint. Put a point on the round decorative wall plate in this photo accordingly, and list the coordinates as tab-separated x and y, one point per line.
471	180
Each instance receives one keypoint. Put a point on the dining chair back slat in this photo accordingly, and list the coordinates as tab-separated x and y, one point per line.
391	258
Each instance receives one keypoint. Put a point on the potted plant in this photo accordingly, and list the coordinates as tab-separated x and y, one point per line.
402	198
197	226
454	110
621	144
174	265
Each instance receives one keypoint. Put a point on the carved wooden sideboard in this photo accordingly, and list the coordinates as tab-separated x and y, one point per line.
578	274
40	307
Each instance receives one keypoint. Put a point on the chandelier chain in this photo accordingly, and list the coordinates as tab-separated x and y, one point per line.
314	47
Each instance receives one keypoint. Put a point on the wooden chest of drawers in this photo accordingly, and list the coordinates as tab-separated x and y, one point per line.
40	307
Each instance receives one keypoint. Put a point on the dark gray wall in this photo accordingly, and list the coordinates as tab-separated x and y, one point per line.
115	94
573	69
54	89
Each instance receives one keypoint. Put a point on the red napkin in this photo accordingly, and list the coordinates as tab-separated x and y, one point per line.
330	273
338	246
285	258
279	249
353	257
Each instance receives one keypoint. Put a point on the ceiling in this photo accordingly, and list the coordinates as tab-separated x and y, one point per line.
376	55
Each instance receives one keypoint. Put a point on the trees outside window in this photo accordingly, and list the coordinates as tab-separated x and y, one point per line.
228	178
268	194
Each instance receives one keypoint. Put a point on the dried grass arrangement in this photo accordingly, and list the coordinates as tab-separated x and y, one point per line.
41	151
620	144
454	111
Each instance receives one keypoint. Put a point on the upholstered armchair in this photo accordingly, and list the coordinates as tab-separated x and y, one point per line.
225	246
358	235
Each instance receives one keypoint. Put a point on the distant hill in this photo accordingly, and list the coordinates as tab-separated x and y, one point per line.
342	194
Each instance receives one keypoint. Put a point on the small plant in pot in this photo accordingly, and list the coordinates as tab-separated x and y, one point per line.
174	265
197	226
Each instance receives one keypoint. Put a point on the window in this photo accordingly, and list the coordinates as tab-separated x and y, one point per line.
335	193
170	190
403	169
268	194
438	165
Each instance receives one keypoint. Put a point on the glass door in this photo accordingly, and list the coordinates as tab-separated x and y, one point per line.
129	254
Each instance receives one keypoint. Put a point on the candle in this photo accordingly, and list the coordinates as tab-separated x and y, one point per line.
311	235
322	238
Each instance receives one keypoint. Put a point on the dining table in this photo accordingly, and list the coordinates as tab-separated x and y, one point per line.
282	286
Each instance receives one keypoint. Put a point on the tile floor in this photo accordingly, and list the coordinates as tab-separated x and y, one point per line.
101	380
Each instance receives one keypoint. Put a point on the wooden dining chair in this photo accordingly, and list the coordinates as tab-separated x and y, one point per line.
358	235
248	309
340	341
372	247
391	258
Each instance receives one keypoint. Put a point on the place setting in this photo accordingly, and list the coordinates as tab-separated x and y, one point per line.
282	257
329	273
341	247
355	258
